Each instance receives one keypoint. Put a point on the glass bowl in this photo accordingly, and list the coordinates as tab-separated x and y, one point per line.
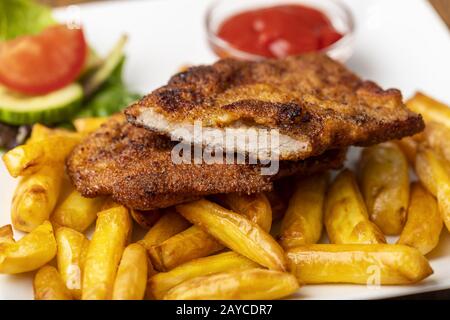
338	14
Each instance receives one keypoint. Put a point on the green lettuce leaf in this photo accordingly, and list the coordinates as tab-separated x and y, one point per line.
20	17
112	97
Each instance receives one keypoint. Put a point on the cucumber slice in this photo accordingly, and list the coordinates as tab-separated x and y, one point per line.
99	76
56	106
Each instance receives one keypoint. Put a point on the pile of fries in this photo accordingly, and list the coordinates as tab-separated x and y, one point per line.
226	247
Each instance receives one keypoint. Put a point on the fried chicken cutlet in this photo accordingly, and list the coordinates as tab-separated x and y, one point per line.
134	166
313	101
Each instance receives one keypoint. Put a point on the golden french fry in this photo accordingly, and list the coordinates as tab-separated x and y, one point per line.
104	252
77	212
41	132
190	244
72	249
146	219
6	234
48	285
31	157
346	217
36	196
424	223
374	264
303	221
247	284
437	136
131	279
88	125
167	226
29	253
161	283
409	148
433	172
236	232
277	204
384	180
256	207
430	109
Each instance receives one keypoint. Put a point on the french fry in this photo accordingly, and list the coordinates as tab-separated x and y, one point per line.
41	132
167	226
131	279
236	232
48	285
346	217
146	219
430	109
256	207
88	125
161	283
277	204
375	264
190	244
437	136
302	223
433	172
36	196
105	250
247	284
31	157
72	250
409	148
6	234
77	212
29	253
424	224
384	180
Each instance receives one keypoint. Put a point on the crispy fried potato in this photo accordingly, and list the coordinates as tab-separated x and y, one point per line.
437	136
433	172
167	226
346	217
409	148
72	249
303	221
384	180
430	109
88	125
255	207
36	196
29	253
41	132
146	219
424	224
236	232
105	250
277	204
131	279
161	283
77	212
190	244
48	285
247	284
31	157
6	234
358	263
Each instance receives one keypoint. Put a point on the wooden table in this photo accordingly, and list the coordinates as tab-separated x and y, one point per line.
443	8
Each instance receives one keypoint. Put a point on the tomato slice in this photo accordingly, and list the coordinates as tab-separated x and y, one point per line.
38	64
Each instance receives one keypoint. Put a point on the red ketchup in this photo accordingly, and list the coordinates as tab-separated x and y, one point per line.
279	31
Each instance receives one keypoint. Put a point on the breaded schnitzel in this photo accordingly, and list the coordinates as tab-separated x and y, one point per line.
134	166
314	102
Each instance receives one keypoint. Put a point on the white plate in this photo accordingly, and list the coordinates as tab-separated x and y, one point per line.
401	43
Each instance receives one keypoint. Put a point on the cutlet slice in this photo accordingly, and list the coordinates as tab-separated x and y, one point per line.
314	103
134	165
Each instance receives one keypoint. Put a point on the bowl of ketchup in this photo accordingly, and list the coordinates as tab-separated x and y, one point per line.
260	29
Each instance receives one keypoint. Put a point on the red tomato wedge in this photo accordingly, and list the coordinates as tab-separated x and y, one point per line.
42	63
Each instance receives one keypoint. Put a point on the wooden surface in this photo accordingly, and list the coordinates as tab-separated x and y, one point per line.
443	8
